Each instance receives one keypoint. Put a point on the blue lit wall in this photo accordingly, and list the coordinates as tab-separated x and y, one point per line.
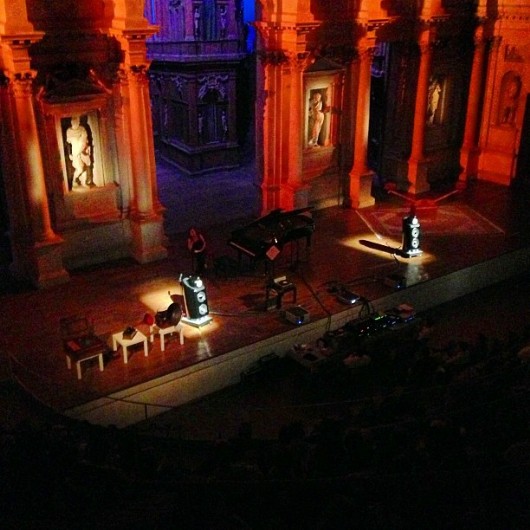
249	14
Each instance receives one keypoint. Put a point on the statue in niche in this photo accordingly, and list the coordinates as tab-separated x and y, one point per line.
224	126
197	23
509	99
79	153
200	126
435	91
316	118
222	22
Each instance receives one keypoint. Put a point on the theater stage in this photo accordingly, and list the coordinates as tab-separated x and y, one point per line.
474	239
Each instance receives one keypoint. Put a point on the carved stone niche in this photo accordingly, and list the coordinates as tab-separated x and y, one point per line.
80	150
322	94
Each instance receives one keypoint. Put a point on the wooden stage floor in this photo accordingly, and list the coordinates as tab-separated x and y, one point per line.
344	251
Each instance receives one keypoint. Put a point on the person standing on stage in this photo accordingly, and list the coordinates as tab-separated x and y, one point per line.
197	248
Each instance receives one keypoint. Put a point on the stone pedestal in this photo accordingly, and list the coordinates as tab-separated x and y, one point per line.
360	192
365	192
418	177
42	264
147	240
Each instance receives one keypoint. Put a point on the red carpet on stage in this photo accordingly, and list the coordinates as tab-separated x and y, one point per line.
438	220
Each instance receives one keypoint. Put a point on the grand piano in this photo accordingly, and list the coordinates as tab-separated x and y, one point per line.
265	238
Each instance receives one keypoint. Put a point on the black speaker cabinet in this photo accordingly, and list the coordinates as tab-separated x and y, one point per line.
195	299
411	236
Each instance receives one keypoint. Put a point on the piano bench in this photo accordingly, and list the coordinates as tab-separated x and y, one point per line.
274	291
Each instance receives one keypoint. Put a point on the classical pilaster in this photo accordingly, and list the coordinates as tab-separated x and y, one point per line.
294	194
359	195
122	128
146	221
488	105
36	249
37	252
136	144
270	135
469	152
150	145
416	174
284	59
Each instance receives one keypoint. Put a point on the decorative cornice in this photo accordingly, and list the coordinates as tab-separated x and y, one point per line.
435	22
22	39
135	34
272	57
299	61
139	70
22	84
72	81
138	73
342	54
520	17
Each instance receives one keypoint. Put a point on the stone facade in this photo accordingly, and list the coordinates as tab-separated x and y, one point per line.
420	95
74	101
504	113
349	97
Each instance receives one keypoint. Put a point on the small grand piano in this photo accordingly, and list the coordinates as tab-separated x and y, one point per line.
265	238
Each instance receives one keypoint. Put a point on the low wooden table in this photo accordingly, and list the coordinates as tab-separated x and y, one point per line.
118	339
82	349
167	330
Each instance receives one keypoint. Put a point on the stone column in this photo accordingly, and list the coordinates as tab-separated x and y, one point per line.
122	128
360	176
150	146
488	104
146	223
269	136
416	174
139	93
294	194
42	261
469	151
143	198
